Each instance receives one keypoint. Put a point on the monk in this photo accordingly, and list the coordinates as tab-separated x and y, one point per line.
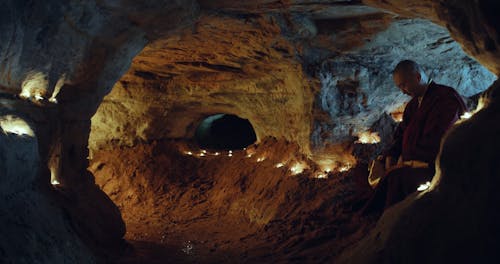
409	162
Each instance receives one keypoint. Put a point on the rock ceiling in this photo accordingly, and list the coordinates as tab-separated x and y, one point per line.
168	64
280	66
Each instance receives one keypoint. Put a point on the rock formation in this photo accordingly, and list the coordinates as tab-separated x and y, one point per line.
125	84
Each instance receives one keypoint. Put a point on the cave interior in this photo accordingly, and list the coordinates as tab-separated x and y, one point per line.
214	131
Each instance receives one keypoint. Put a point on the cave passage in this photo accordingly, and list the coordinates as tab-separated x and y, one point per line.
225	132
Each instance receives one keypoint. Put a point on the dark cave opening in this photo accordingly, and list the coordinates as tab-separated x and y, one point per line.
225	132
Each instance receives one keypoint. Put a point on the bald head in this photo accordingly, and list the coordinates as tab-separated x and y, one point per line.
410	78
408	67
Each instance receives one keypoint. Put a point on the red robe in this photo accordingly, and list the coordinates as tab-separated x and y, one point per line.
419	135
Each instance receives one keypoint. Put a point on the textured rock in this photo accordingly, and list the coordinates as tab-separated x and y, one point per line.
472	24
455	220
252	59
34	229
34	32
357	87
72	52
226	65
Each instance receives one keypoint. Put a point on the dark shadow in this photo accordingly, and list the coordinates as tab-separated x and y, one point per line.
225	132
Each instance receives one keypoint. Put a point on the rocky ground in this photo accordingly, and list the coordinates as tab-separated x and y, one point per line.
216	209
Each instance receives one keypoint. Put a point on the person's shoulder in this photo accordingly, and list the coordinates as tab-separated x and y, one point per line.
444	90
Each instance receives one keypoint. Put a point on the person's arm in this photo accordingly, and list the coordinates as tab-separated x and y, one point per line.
394	151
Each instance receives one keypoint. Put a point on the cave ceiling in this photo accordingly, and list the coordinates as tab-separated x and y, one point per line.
280	65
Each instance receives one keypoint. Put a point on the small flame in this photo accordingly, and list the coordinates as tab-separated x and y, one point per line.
55	182
230	154
368	137
345	168
201	154
297	168
279	165
249	155
322	176
466	115
424	186
203	151
261	159
188	153
216	153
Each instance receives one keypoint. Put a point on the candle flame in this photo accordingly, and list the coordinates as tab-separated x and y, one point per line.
368	137
424	186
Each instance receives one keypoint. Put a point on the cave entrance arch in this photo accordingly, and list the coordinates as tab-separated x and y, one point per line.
225	132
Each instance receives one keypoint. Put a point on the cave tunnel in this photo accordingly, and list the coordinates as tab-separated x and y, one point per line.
205	131
225	132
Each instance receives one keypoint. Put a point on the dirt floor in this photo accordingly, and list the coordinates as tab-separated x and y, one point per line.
184	205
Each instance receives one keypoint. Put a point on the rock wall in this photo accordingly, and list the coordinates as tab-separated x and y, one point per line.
357	86
59	59
35	229
224	65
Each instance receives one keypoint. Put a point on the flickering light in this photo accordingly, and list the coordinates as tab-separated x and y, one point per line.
204	151
261	159
466	115
368	137
297	168
230	151
53	175
424	186
216	153
279	165
345	168
201	154
249	155
397	117
321	176
327	169
57	89
230	154
188	153
15	125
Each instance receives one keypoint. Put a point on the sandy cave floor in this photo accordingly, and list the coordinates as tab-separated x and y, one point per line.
181	208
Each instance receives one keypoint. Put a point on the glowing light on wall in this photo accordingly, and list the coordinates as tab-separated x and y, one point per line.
368	137
15	125
57	89
279	165
466	115
424	186
344	168
321	176
34	85
397	117
54	172
261	159
297	168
